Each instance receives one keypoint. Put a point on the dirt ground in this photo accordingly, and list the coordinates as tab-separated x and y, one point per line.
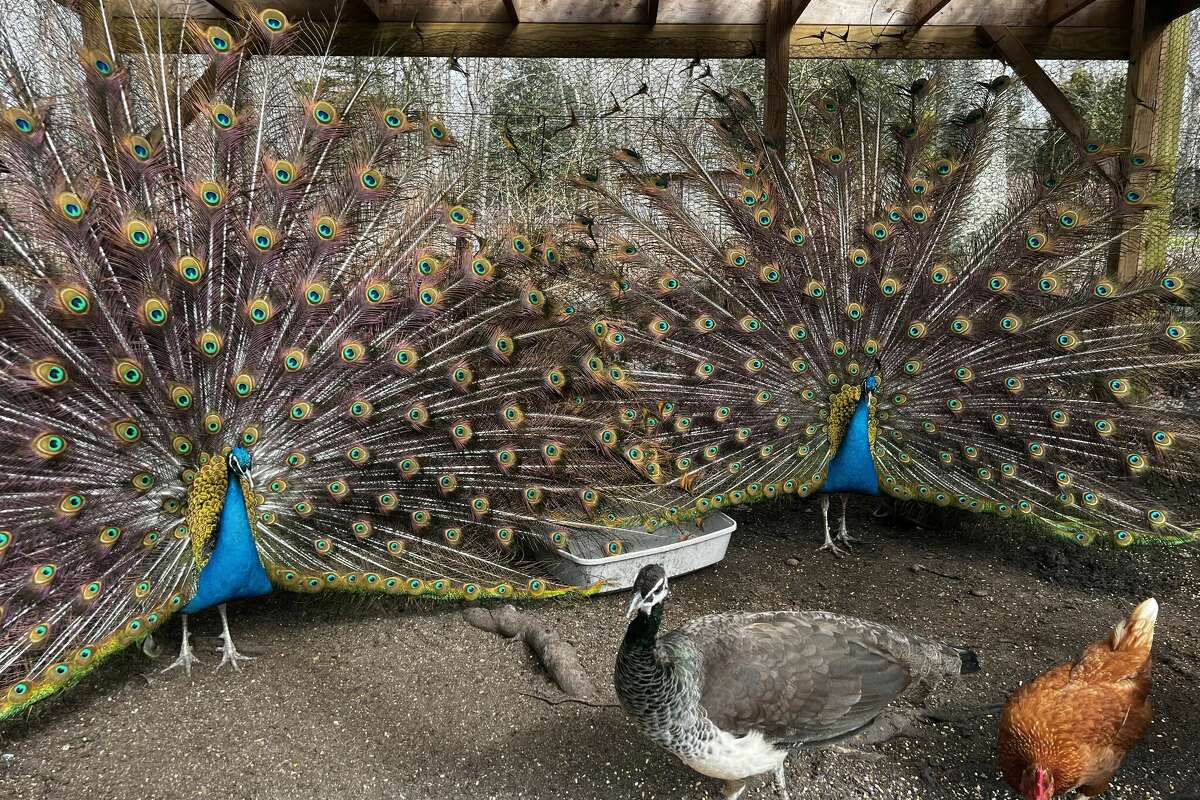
372	699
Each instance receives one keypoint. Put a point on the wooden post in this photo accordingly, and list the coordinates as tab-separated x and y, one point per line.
776	75
1165	150
1143	92
781	16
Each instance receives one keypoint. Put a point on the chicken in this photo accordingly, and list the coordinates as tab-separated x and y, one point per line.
1071	727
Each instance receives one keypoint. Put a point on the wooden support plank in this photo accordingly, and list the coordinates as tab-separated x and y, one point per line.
510	8
775	74
1059	10
600	40
926	10
1039	83
223	8
797	9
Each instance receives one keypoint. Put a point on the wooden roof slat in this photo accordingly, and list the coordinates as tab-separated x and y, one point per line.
1013	13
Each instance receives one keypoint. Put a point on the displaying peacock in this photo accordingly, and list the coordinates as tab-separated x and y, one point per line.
253	337
870	316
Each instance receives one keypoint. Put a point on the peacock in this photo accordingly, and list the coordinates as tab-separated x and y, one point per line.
866	313
253	337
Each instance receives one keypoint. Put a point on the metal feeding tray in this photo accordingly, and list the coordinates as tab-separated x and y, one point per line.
679	548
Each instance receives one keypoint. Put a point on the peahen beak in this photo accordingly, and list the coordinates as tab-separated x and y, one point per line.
634	603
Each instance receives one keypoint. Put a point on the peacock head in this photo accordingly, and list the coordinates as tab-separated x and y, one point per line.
1037	783
871	383
239	462
650	589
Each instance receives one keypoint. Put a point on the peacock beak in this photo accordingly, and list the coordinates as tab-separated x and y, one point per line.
635	603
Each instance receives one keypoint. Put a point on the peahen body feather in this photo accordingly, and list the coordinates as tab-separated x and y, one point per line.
254	337
854	320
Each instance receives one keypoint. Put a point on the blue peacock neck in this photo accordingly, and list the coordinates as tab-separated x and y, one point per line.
853	466
234	570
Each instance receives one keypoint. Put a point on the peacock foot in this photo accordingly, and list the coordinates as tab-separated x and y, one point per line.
833	548
187	657
229	653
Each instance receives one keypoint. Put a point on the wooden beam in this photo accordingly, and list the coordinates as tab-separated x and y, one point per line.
1039	83
510	8
1059	10
601	40
651	12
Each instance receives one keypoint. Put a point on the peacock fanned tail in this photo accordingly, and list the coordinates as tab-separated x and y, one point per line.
755	302
285	264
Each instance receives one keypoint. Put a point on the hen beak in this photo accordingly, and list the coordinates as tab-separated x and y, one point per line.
634	603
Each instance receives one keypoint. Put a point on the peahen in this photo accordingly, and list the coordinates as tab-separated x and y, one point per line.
872	316
252	337
729	694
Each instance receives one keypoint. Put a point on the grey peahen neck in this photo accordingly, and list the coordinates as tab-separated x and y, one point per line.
658	684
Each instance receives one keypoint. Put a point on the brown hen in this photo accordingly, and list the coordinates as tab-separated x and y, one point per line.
1071	727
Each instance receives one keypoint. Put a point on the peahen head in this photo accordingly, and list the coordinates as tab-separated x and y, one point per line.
239	462
650	589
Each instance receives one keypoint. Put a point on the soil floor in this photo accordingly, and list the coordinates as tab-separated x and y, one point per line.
375	699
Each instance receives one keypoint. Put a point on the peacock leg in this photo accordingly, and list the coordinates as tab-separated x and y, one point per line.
781	783
229	653
186	656
733	790
843	536
829	545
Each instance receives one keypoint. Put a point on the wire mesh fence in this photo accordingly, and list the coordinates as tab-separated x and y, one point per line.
530	121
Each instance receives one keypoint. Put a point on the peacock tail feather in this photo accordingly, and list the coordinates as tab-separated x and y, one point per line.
758	304
291	265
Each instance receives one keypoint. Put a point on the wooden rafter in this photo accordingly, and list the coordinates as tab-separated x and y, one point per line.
1059	10
1050	96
